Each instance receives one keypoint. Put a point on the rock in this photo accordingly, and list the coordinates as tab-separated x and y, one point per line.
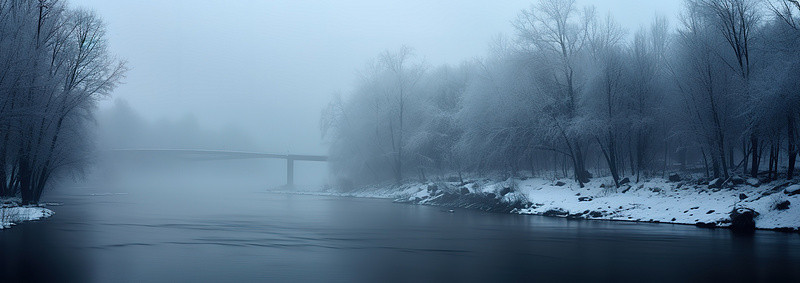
706	225
716	183
673	219
742	196
784	205
674	177
575	216
555	212
737	181
710	211
655	190
596	214
505	191
560	184
578	194
585	199
432	189
753	182
464	190
628	188
742	219
792	190
602	186
624	181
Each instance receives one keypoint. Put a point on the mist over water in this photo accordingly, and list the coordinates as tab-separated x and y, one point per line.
226	141
241	234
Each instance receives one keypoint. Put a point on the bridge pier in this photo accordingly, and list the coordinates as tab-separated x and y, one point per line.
289	172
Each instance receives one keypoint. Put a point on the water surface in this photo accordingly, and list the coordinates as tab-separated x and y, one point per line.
254	235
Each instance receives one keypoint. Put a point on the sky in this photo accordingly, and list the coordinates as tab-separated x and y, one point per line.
269	67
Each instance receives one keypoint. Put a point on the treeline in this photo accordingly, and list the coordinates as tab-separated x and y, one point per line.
574	94
120	126
54	66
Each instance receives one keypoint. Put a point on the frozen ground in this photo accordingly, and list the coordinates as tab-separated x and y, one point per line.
656	200
12	213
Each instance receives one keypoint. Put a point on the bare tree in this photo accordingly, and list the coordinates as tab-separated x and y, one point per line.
736	21
53	81
558	34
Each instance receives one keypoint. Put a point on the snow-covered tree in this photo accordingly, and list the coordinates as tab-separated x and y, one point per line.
55	66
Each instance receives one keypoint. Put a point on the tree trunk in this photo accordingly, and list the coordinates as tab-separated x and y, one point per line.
792	148
610	157
777	158
705	162
771	161
730	158
746	154
754	146
583	176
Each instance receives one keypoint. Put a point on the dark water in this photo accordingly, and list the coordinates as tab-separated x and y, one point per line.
268	237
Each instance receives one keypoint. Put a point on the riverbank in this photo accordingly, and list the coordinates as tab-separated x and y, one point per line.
12	213
694	202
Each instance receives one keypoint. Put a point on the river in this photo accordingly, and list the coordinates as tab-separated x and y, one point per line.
254	235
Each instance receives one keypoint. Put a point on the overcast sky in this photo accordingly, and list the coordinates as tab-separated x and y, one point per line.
268	67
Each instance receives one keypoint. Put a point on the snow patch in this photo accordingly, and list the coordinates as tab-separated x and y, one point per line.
11	214
654	200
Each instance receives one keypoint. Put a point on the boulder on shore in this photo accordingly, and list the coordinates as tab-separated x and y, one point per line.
784	205
706	225
674	177
792	190
753	182
743	219
555	212
716	183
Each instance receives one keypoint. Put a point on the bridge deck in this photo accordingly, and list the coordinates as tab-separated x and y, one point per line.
199	154
218	154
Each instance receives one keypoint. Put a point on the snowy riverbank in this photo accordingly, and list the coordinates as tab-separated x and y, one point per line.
11	213
694	202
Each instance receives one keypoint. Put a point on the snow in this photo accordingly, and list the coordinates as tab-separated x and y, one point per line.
654	200
793	189
11	213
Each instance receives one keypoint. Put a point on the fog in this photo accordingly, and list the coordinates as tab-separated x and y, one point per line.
410	141
265	69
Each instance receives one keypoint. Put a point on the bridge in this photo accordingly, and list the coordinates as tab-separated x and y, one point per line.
202	155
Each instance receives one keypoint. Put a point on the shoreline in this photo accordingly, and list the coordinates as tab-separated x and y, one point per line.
12	213
775	205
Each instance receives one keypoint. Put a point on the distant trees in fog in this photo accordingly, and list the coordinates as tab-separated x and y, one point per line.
573	93
122	127
54	66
